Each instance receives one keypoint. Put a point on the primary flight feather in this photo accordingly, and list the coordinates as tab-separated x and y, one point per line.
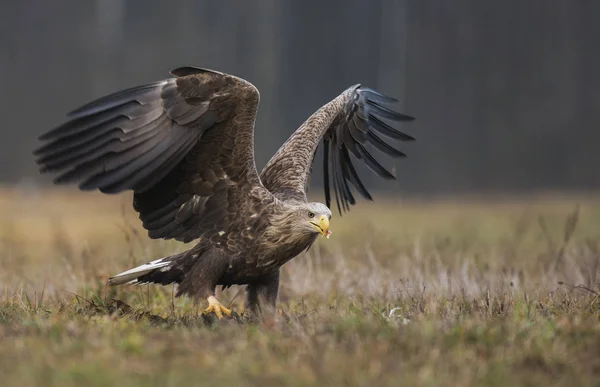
185	146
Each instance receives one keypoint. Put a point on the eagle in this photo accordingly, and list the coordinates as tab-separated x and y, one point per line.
185	147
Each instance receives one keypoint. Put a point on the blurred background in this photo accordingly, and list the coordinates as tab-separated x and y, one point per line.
479	266
505	92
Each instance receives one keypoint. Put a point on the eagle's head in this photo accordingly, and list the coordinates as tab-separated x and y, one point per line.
313	218
298	223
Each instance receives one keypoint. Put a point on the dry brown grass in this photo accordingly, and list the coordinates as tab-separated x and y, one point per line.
456	292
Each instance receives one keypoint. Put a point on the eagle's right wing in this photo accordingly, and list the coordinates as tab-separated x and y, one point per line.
184	145
345	125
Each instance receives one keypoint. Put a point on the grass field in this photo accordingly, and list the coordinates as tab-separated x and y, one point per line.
405	293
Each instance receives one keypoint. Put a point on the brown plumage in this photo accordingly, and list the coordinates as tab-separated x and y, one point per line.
185	147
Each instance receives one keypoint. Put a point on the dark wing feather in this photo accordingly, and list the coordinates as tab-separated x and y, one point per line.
184	145
346	125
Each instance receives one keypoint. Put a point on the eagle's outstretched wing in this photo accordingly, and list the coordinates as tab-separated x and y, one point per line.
345	125
184	145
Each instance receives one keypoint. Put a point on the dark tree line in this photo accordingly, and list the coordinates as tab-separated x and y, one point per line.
505	91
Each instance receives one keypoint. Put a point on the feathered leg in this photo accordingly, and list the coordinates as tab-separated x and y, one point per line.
262	296
200	282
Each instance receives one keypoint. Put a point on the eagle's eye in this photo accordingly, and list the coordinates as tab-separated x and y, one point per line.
311	214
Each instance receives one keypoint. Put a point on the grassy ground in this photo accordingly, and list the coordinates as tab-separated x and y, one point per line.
454	293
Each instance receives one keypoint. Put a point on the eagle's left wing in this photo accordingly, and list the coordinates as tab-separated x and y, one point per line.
345	125
184	145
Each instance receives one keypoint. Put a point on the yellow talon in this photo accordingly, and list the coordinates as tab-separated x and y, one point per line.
215	306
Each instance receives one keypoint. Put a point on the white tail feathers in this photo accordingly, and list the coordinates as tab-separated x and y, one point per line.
130	276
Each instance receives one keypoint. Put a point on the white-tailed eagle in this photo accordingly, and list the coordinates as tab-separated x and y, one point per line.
184	145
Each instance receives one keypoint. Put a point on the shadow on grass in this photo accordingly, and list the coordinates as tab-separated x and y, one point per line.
115	307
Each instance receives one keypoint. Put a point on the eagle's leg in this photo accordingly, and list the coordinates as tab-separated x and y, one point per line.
262	294
201	281
215	306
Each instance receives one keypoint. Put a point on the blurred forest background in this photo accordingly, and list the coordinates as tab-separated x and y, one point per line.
505	91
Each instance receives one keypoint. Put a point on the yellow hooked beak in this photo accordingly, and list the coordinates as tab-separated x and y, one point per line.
322	226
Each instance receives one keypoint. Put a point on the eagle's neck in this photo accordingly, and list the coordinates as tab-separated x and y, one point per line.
283	251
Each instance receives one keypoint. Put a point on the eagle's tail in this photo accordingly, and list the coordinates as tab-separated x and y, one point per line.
162	271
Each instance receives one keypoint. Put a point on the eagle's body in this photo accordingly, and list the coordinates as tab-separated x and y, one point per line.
184	145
